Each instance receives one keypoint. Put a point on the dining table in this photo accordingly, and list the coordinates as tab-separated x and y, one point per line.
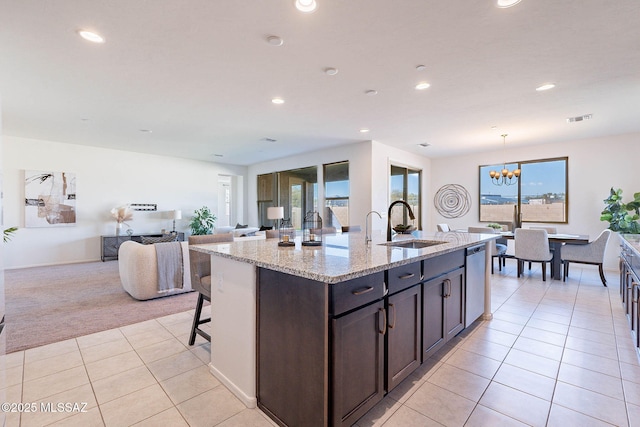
555	244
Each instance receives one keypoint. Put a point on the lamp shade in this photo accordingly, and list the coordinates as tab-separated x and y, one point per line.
276	212
176	214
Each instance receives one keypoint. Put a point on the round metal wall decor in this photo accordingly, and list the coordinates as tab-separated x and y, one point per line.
452	201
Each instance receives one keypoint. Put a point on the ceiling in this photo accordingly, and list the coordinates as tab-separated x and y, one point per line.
200	74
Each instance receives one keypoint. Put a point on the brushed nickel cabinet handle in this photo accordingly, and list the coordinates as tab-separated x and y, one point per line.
362	291
384	321
393	323
406	276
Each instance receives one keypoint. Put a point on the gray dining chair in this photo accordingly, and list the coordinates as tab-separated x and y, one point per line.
497	249
532	246
200	264
591	253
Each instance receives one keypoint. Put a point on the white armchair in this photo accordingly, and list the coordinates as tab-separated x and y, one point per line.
591	253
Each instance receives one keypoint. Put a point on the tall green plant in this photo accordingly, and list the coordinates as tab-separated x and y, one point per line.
202	221
622	217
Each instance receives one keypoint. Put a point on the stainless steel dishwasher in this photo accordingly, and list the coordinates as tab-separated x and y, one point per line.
474	271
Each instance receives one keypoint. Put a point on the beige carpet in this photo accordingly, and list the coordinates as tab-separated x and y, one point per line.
55	303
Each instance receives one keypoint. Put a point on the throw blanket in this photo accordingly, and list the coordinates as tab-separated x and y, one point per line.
170	268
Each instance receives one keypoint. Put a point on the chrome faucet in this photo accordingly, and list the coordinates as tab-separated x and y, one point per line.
367	237
411	215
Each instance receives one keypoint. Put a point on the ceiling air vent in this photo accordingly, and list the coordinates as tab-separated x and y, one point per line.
268	140
579	118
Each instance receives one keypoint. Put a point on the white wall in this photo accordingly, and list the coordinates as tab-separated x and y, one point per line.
105	179
368	175
382	158
595	165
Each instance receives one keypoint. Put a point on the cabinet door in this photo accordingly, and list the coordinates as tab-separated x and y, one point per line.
403	335
454	303
628	286
358	363
433	336
265	187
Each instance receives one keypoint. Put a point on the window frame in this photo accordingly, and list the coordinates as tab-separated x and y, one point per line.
519	203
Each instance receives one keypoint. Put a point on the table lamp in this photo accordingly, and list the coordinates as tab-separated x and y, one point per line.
175	214
276	213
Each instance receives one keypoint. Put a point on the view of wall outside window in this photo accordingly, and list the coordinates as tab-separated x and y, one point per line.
405	185
540	194
336	191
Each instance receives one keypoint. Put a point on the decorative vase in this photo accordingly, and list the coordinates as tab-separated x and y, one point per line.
118	228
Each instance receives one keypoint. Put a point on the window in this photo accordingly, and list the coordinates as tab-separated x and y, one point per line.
336	191
541	194
298	193
405	185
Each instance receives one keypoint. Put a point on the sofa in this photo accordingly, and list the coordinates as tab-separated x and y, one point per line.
237	232
138	267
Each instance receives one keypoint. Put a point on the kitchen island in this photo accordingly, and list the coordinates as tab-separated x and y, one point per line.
318	335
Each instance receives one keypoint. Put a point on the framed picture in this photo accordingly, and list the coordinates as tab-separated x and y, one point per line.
49	199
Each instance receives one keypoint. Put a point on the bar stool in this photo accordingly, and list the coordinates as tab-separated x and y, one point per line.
200	264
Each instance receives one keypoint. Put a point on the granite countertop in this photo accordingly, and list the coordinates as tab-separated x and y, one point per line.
341	256
633	241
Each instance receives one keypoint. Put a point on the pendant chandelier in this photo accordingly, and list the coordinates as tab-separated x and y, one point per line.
505	176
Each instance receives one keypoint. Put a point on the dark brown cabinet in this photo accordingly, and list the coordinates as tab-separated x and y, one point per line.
328	353
630	283
404	312
442	310
357	362
266	187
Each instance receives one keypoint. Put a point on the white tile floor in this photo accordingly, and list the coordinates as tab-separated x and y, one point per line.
555	354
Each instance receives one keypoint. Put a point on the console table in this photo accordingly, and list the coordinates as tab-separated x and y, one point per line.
111	244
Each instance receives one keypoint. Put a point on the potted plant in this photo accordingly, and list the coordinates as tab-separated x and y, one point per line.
8	233
495	226
202	221
622	217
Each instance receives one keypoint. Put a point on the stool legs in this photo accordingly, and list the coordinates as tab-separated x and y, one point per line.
197	322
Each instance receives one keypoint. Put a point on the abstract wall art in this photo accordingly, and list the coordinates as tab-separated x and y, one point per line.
49	199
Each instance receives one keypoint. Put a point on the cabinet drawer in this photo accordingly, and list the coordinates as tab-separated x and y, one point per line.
403	277
434	267
354	293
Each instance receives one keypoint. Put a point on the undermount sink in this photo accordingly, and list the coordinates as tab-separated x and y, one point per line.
413	244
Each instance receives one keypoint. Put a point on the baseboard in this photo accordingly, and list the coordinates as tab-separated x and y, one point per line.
249	401
51	264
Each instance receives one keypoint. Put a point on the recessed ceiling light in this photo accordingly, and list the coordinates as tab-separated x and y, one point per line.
146	130
331	71
275	41
277	101
545	86
371	92
424	144
507	3
218	155
364	130
91	36
306	6
422	86
266	139
421	67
